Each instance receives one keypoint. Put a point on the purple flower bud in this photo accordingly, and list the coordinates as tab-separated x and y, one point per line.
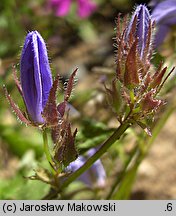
35	75
95	174
143	19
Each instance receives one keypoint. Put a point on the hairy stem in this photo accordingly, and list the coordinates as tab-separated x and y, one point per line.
46	150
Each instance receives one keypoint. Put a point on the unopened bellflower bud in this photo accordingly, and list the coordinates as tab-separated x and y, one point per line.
134	81
39	93
35	75
143	19
134	46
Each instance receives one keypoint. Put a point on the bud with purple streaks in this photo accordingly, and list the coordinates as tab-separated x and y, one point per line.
134	47
139	87
142	27
36	87
35	76
36	80
39	94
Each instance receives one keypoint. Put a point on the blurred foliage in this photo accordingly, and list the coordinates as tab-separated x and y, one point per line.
18	186
18	17
92	134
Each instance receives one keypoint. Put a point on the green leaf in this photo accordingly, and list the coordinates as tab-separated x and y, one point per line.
21	188
91	143
92	128
92	134
127	181
20	140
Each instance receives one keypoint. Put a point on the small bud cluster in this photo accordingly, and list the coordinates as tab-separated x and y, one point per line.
134	90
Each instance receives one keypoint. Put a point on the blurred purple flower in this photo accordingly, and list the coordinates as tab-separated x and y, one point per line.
94	174
62	7
143	18
164	14
35	75
86	8
152	3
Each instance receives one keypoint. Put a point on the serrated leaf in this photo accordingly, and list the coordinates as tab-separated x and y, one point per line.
16	109
50	112
17	82
64	151
131	76
61	108
70	85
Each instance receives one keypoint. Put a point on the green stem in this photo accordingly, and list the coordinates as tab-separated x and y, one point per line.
46	149
105	146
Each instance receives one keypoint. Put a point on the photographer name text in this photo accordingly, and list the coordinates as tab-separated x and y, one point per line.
109	207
